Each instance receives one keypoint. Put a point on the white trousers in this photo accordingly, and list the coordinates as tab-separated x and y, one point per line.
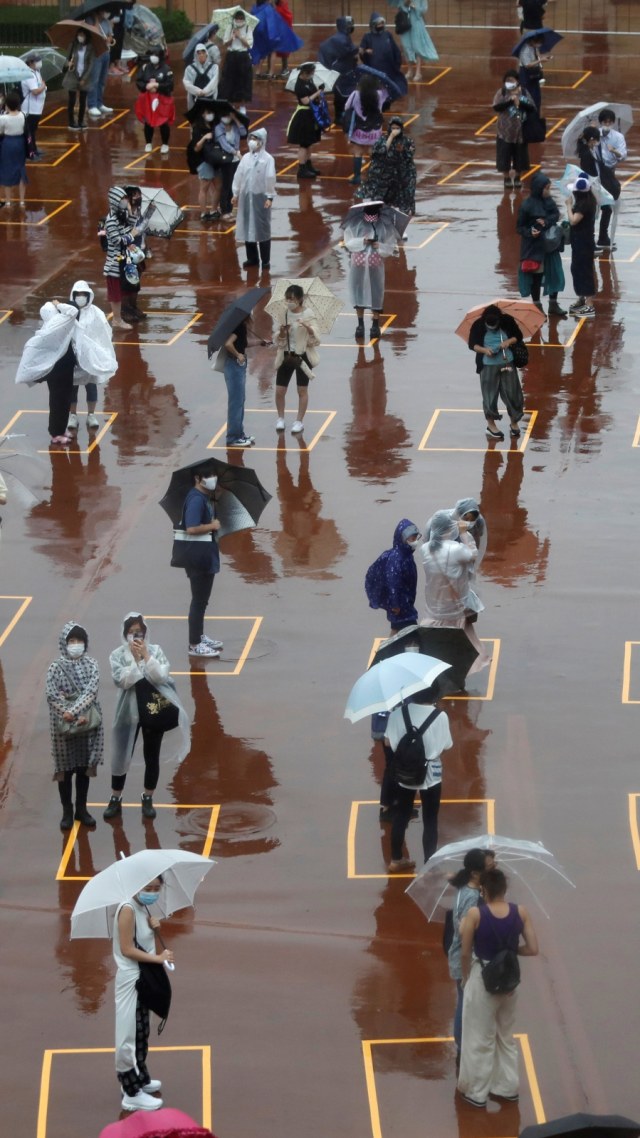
489	1056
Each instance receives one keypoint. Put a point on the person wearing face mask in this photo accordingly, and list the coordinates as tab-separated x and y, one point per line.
379	50
391	581
13	152
147	705
155	106
92	332
236	81
297	341
339	53
273	32
612	149
448	559
203	158
101	19
538	213
234	356
77	79
200	524
201	77
511	104
391	176
134	942
304	130
369	237
227	135
491	337
34	93
254	188
121	231
75	723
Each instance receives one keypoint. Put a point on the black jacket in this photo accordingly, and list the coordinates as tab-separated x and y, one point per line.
476	336
533	207
159	71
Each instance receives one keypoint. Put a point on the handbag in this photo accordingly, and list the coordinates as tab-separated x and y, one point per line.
215	155
154	987
520	353
534	128
531	266
553	238
93	716
154	709
501	975
402	22
320	111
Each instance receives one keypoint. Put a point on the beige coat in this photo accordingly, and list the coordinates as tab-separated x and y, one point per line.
300	340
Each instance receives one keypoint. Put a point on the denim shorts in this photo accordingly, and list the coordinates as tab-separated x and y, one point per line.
205	172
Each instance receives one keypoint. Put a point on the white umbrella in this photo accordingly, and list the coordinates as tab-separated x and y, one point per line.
589	117
321	74
96	906
602	196
320	299
161	214
223	17
385	685
530	862
13	69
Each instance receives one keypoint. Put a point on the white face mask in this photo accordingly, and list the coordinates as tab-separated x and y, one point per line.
81	38
226	120
413	542
238	27
38	66
510	85
253	145
75	650
155	59
210	483
292	305
208	118
80	299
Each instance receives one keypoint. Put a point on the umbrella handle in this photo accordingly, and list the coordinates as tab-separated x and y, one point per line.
169	967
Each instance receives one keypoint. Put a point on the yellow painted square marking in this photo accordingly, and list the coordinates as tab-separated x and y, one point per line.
628	663
6	313
22	219
50	1053
521	443
633	826
439	228
61	873
68	149
490	672
109	417
20	609
113	119
352	873
550	71
256	622
493	120
436	78
561	343
368	1046
218	443
163	343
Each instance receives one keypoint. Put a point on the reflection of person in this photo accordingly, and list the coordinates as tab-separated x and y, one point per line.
297	340
34	93
254	188
72	695
491	337
368	238
391	174
448	559
200	524
489	1054
134	942
436	739
155	106
392	580
537	213
148	704
466	882
511	104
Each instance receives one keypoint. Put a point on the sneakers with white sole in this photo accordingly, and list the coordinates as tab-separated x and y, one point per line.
152	1087
203	649
72	425
148	148
164	149
141	1101
106	110
297	428
94	113
92	422
280	424
217	644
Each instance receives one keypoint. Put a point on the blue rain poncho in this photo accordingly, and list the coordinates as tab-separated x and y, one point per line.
391	582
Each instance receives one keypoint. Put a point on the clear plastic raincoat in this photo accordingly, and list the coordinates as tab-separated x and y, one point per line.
87	329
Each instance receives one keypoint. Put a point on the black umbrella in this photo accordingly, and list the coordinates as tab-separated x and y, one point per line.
91	6
449	644
233	315
547	35
239	498
219	107
585	1126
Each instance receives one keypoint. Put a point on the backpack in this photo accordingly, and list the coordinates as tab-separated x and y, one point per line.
375	582
402	22
409	765
502	974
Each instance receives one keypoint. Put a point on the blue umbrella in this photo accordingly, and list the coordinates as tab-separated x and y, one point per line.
199	37
547	35
395	88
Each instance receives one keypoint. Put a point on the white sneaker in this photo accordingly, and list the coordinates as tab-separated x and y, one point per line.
215	644
95	112
148	148
297	428
140	1101
280	424
164	149
72	425
106	110
92	421
152	1087
203	649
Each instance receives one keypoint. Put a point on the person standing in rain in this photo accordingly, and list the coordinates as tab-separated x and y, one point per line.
538	213
391	581
254	188
34	93
297	340
236	80
581	211
120	232
368	238
75	722
304	130
391	174
339	53
201	524
77	79
491	337
448	559
92	323
363	120
466	882
531	58
155	106
147	704
417	44
200	78
597	156
379	50
511	104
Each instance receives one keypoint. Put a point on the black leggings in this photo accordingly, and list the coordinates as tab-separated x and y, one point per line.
71	106
164	129
201	586
536	288
151	744
402	816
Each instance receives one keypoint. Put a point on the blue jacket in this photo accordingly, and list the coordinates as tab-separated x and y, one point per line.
339	53
392	580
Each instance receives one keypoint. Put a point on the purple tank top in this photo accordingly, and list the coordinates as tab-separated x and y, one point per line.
494	933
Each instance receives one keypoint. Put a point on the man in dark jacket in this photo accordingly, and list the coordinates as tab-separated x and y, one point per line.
339	53
491	337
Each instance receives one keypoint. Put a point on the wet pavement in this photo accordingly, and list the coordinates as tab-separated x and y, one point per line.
310	995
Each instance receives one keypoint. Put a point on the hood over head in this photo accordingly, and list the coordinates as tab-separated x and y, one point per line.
404	529
345	25
538	183
260	134
115	196
72	626
442	528
128	620
375	18
82	286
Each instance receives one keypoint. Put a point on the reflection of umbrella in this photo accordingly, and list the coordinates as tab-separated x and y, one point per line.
199	37
64	32
96	906
547	35
385	685
589	117
164	214
324	305
219	107
223	17
584	1126
13	69
163	1123
239	500
321	74
233	315
530	862
529	318
571	172
398	219
52	61
449	644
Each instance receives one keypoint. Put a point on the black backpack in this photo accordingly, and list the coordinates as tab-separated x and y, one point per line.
402	22
409	758
501	975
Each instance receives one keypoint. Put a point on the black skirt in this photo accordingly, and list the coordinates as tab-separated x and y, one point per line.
236	81
303	129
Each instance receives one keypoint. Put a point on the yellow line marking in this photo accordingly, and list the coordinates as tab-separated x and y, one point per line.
636	437
436	78
633	825
580	81
491	681
555	126
26	601
436	233
66	855
486	126
370	1077
521	447
215	441
257	623
43	1102
111	418
162	343
457	170
53	214
531	1075
490	804
142	158
69	150
194	320
25	220
626	668
7	313
634	257
286	169
113	119
631	178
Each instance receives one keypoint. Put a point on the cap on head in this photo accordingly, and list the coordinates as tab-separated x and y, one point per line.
410	531
33	57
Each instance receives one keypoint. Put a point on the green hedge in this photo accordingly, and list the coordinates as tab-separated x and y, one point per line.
176	25
25	25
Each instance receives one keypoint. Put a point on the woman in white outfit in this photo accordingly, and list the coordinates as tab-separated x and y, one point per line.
448	560
297	341
134	941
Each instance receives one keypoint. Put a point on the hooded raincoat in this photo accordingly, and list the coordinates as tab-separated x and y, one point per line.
254	181
532	247
398	577
72	685
86	330
391	174
366	273
380	51
200	80
448	559
477	530
339	53
126	672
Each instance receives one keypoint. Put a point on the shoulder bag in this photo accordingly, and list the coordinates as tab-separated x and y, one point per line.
402	22
93	715
534	128
520	353
154	986
154	709
553	238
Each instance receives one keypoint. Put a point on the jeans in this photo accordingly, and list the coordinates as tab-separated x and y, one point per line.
91	390
235	376
404	808
201	586
99	79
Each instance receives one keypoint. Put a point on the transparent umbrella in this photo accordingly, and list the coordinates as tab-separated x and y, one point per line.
13	69
163	215
589	117
320	299
53	61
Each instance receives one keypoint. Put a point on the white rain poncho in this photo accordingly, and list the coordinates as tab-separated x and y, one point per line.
87	329
254	181
448	558
478	529
126	672
366	272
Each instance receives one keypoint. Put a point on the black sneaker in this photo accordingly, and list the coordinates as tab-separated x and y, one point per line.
375	330
147	806
305	172
114	808
360	330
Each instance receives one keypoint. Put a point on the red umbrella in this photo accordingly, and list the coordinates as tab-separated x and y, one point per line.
64	32
164	1123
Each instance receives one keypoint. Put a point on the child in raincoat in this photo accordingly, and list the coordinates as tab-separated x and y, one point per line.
254	188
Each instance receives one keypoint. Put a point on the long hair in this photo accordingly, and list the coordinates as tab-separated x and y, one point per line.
368	92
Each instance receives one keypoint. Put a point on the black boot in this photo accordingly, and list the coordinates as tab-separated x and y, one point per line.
312	168
114	808
64	790
375	329
82	789
360	329
305	172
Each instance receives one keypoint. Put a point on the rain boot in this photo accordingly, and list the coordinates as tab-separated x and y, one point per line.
375	329
311	168
64	790
360	328
82	789
357	171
